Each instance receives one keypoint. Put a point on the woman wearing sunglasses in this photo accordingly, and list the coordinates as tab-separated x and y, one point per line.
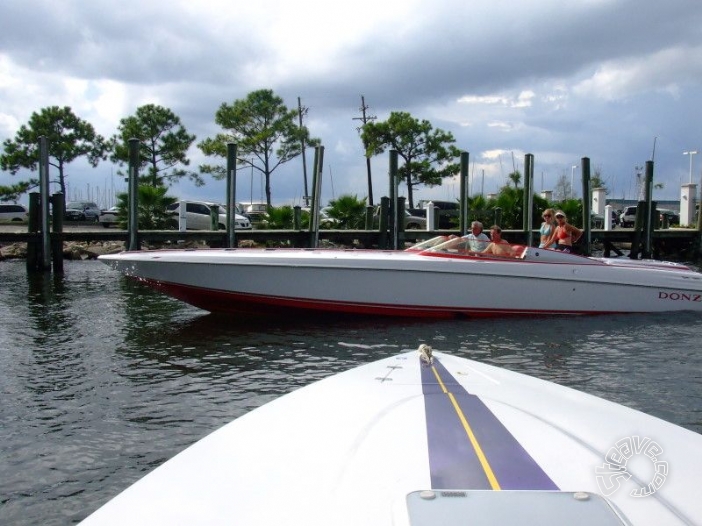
565	234
547	228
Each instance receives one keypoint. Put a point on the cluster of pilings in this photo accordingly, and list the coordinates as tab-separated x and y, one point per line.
48	249
41	254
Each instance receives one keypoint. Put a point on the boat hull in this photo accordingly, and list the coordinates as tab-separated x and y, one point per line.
406	284
371	445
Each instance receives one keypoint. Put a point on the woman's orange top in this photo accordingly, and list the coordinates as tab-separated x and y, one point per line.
562	233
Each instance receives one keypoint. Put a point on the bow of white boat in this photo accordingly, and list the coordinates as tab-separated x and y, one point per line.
427	440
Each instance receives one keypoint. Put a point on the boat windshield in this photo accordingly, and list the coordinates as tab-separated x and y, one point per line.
429	243
460	245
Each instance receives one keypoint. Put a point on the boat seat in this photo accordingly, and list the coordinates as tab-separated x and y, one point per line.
519	251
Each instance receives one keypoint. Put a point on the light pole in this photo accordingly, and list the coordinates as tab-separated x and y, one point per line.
572	175
690	153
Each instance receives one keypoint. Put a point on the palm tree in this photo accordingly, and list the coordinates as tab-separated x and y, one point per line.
282	217
347	212
152	208
480	209
510	201
515	177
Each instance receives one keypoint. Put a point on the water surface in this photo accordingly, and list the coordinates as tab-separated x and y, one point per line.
103	379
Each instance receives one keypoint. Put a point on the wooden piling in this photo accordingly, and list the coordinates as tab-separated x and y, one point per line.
316	195
394	182
383	222
465	192
370	211
400	223
314	203
44	202
528	198
58	209
133	191
587	191
231	194
297	217
34	244
652	208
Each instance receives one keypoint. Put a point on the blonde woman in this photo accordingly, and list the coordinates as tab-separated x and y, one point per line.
565	234
547	228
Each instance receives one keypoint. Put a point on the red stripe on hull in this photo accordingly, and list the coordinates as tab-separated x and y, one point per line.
253	304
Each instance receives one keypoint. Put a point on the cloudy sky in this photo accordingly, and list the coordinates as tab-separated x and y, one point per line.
617	81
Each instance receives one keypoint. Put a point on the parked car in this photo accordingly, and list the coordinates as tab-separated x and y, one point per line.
255	211
412	222
327	222
671	215
82	211
13	213
109	217
598	220
626	220
616	214
198	216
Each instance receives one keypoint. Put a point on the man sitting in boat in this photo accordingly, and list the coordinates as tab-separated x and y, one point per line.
477	240
498	247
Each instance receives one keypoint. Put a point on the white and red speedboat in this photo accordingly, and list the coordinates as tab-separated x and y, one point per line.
439	281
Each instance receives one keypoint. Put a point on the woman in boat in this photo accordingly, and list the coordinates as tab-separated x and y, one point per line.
547	228
565	234
498	247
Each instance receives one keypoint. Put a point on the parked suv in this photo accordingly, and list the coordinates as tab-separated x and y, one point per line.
629	216
197	216
82	211
626	220
411	222
14	213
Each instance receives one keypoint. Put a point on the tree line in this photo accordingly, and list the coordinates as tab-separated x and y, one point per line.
263	127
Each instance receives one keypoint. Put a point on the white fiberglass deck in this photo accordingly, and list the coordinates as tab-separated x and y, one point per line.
401	441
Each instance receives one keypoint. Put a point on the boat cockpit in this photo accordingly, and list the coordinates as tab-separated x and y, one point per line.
463	247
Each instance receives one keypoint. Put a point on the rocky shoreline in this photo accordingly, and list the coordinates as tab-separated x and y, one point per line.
71	250
84	250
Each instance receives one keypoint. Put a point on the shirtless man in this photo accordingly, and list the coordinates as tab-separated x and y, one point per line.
498	247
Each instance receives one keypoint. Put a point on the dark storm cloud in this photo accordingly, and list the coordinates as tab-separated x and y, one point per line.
561	80
465	54
132	42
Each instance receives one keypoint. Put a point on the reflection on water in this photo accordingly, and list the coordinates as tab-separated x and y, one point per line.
103	379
